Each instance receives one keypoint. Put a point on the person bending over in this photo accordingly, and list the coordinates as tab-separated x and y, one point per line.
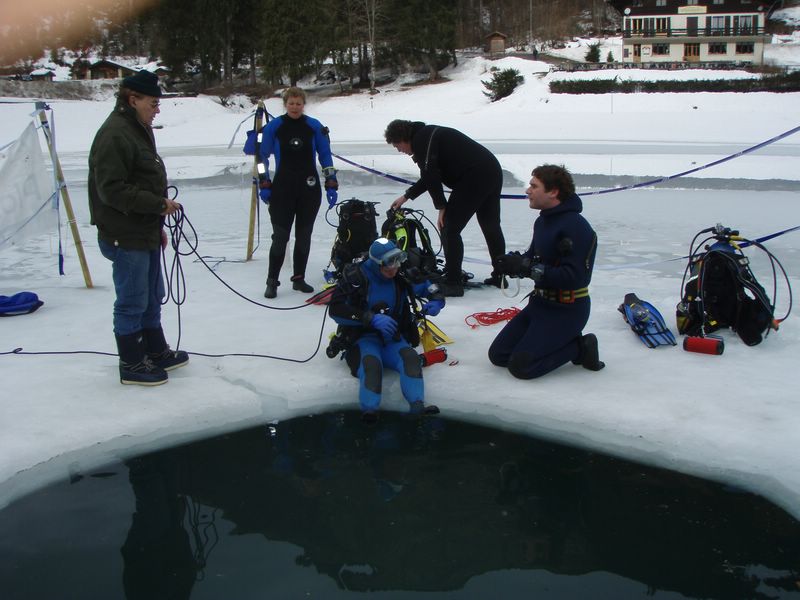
447	156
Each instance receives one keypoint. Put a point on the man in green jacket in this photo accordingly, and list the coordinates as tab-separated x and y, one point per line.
128	203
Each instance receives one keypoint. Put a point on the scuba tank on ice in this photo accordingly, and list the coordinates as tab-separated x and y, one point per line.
719	289
405	227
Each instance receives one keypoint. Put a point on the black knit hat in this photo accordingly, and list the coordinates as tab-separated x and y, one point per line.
143	82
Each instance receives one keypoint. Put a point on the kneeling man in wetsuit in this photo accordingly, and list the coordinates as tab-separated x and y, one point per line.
548	332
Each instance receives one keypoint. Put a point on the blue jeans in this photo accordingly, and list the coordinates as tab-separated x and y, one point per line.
139	287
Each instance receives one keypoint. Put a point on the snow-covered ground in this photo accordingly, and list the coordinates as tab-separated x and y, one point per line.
733	417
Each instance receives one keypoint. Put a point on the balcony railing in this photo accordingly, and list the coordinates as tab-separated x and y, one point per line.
695	32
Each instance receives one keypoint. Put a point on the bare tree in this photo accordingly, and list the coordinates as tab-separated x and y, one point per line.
373	13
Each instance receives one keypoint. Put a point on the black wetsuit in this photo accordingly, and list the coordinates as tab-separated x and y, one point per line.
447	156
296	189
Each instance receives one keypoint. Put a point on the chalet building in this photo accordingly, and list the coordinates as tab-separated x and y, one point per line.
102	69
693	31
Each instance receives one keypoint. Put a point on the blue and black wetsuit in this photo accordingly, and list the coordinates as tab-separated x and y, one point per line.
296	190
546	333
358	296
447	156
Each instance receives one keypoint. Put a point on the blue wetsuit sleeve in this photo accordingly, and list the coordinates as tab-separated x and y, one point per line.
421	289
269	143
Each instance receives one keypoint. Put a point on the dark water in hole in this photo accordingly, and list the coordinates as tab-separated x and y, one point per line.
323	507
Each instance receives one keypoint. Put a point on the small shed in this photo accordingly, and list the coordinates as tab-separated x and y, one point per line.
42	75
496	43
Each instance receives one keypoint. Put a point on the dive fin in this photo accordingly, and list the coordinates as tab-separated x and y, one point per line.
322	298
646	322
431	336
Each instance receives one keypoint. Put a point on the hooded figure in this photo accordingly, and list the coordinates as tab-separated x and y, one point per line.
372	304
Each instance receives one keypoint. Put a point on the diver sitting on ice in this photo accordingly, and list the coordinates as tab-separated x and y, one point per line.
375	307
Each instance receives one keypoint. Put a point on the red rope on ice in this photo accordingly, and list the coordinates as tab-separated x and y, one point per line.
490	318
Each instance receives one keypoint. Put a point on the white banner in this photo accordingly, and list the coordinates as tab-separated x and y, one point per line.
28	199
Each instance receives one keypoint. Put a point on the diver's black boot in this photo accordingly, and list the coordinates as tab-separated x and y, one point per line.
299	284
135	368
418	407
497	280
589	357
451	289
159	352
272	288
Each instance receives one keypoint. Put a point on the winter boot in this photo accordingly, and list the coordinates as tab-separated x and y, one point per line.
272	288
451	288
299	284
159	352
135	368
589	357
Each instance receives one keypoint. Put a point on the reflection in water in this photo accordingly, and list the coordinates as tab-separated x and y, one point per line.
158	560
323	506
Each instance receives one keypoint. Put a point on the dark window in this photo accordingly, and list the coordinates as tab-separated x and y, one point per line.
660	49
745	48
718	48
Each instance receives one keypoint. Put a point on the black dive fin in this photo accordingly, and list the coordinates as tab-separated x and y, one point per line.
646	322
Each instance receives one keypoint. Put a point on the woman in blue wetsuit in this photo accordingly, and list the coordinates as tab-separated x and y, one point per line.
372	305
294	192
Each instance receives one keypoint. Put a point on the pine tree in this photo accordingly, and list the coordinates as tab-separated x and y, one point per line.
502	84
593	54
424	33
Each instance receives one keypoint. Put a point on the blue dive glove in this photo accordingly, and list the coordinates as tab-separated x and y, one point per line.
332	195
385	324
265	190
432	307
331	185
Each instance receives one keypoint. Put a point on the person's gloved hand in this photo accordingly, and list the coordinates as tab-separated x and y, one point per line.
433	307
385	324
331	190
514	264
265	190
332	196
